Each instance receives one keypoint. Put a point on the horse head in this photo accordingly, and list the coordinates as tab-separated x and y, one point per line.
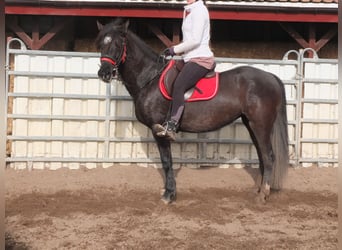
111	42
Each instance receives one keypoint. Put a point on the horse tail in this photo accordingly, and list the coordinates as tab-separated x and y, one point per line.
280	143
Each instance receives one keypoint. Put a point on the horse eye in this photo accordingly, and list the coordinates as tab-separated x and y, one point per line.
107	40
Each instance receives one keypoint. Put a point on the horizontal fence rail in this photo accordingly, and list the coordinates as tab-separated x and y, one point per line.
61	115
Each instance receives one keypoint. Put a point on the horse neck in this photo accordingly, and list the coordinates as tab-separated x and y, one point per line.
141	65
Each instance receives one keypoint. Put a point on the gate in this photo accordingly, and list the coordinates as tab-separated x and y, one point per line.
318	124
61	115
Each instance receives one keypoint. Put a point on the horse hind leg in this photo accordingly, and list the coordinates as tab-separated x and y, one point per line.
258	178
268	159
261	137
266	166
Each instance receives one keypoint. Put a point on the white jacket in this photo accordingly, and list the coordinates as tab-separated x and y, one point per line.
196	32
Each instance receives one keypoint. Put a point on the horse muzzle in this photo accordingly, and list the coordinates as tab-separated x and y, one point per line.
106	72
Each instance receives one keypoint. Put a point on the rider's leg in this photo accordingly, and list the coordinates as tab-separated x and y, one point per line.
187	78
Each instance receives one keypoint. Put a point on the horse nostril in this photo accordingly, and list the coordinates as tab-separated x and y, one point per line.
106	73
100	72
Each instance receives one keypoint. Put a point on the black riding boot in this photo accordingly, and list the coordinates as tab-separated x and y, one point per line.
167	130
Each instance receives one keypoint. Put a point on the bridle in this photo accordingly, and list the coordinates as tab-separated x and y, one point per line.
122	59
112	61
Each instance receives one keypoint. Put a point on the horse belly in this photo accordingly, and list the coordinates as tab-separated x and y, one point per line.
208	115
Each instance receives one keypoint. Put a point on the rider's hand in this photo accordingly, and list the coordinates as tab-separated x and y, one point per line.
169	52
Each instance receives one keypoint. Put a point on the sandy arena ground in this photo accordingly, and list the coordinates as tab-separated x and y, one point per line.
120	208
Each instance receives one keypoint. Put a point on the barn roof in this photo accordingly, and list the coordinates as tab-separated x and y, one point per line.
290	3
262	10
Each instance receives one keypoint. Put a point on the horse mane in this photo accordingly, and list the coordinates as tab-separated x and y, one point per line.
142	45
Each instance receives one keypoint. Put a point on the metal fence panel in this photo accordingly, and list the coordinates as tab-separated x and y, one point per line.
63	116
318	142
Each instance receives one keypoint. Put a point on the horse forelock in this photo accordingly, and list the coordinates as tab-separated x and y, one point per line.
112	30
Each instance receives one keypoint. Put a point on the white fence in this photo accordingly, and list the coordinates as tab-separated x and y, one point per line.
63	116
318	128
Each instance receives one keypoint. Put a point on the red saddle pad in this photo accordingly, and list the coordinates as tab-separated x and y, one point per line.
205	89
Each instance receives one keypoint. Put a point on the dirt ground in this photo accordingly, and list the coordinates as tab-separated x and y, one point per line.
120	208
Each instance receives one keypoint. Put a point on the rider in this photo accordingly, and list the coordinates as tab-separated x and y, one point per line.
198	59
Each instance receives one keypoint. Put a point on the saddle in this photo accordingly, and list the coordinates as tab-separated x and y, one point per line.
205	89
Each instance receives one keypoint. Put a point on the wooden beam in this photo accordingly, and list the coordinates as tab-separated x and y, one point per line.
54	30
326	38
295	35
162	37
176	35
312	41
35	42
312	36
35	30
13	25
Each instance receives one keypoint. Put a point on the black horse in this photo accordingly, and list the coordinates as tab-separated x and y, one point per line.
258	97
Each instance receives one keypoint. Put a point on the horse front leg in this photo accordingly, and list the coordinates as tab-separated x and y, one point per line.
169	193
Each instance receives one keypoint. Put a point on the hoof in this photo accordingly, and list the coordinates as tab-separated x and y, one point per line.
261	198
263	195
168	197
166	201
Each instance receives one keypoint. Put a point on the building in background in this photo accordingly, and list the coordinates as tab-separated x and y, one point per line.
251	29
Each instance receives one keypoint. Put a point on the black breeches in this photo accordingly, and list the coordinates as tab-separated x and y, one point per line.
190	74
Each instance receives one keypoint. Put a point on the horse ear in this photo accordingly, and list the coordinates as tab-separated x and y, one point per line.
99	25
126	24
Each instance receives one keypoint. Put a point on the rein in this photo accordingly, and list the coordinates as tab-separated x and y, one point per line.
157	73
